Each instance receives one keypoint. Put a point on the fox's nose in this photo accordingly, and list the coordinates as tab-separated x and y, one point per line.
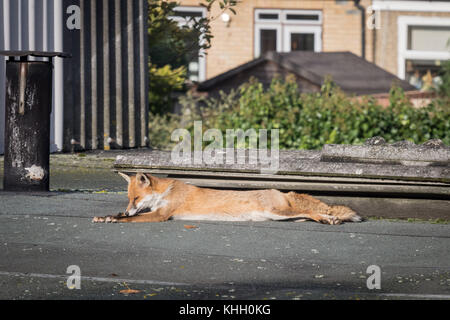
131	212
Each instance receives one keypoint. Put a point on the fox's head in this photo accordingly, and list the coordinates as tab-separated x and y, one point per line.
142	194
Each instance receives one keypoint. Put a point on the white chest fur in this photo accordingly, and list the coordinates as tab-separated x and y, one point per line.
152	201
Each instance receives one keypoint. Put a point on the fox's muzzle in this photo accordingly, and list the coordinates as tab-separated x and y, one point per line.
131	212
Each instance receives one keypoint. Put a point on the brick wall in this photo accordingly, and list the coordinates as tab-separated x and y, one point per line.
341	31
234	45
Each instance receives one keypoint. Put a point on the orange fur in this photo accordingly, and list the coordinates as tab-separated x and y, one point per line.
153	199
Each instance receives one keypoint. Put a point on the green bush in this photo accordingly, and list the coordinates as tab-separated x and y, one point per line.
444	88
309	121
172	47
163	82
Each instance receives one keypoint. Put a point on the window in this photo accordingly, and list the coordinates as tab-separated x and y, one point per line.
287	30
268	16
184	13
196	66
424	43
428	38
302	38
302	17
268	40
302	42
423	74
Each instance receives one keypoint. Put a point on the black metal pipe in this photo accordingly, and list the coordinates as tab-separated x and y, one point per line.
27	125
363	27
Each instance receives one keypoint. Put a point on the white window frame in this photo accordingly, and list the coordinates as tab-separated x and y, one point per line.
421	6
187	9
267	11
307	22
285	27
316	30
403	23
182	22
267	26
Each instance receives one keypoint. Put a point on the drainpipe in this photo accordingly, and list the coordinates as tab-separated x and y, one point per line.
131	100
118	70
106	88
83	141
59	76
94	78
363	27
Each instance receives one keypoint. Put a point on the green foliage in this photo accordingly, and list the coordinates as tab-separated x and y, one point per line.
444	88
163	82
165	38
161	127
171	47
308	121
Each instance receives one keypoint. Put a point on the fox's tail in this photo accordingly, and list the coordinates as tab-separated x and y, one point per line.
304	202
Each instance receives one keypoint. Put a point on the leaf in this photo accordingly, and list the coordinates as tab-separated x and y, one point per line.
129	291
187	226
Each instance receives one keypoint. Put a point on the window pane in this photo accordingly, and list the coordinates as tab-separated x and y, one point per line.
188	14
313	17
302	42
268	41
268	16
426	38
193	70
424	74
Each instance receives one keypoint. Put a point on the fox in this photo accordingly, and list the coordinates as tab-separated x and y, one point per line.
154	199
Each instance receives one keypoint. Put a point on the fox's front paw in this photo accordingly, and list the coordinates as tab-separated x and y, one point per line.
107	219
328	219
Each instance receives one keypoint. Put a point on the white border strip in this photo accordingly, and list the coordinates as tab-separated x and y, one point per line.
421	6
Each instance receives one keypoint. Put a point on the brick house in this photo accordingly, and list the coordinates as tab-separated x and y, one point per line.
406	38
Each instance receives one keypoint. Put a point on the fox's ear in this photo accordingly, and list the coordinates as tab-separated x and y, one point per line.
125	176
143	180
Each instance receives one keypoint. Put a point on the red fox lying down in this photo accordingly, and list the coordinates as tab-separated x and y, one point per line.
155	199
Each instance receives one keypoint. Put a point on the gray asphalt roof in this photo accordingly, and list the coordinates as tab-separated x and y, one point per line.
350	72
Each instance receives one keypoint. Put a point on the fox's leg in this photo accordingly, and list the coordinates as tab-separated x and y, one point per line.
300	206
108	218
303	205
323	218
155	216
300	215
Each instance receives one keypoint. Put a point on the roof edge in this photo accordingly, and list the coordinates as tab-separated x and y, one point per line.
205	85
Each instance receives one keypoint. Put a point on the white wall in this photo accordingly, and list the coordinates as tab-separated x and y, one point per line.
30	25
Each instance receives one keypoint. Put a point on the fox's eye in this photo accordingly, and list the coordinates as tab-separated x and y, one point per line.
135	198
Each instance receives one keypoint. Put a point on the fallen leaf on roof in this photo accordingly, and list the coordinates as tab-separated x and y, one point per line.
150	295
187	226
129	291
